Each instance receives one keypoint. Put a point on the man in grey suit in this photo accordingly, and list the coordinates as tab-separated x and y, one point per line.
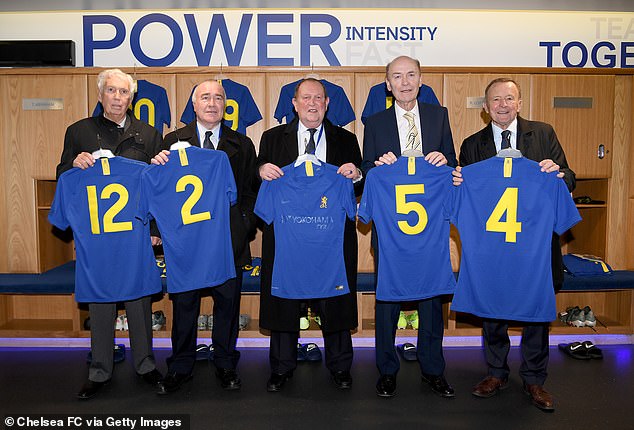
386	136
536	141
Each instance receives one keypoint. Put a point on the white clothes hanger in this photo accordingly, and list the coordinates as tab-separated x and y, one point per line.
102	153
413	153
307	157
509	153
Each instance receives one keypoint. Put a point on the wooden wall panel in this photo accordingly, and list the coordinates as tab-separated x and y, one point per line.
466	121
616	242
33	142
580	131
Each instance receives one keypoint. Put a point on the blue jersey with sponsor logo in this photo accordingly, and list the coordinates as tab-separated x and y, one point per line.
308	208
190	197
149	105
409	203
506	211
339	112
380	98
240	108
115	261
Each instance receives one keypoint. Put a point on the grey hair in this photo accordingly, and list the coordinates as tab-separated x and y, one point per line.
103	77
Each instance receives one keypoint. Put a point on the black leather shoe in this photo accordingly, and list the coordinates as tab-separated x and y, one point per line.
342	379
386	386
229	379
90	389
439	385
153	377
277	381
172	382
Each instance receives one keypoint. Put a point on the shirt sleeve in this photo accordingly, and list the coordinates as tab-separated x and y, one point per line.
264	203
57	214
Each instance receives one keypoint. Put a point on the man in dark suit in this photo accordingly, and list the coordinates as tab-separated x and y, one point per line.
387	134
536	141
279	147
208	131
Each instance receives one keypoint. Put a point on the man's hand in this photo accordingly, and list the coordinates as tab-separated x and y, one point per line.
549	166
84	160
436	158
349	170
457	176
388	158
161	158
270	171
156	241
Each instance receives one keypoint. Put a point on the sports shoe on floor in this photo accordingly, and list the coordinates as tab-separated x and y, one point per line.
590	319
202	322
591	350
402	321
412	319
243	321
202	352
575	350
407	351
119	352
312	352
304	323
158	320
301	352
211	353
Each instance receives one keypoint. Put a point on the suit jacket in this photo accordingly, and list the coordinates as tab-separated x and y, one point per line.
138	141
241	152
279	146
537	141
381	134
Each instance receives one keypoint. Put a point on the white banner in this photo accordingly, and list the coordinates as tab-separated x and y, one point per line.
334	37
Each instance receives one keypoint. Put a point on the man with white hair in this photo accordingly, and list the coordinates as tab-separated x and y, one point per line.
117	130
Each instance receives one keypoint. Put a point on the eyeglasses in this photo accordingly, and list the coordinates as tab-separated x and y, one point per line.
124	92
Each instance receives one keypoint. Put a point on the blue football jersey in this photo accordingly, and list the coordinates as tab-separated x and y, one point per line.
240	109
115	261
308	208
409	202
380	98
506	211
190	197
339	112
150	105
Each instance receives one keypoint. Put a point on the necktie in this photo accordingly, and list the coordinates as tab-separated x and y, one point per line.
506	139
207	142
310	146
413	139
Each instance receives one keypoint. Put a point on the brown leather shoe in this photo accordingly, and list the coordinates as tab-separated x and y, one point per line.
489	386
540	397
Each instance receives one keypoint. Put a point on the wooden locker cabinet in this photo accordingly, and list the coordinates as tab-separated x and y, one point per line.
32	141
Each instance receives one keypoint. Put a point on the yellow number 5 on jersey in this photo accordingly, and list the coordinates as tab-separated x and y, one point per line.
186	211
508	204
405	207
